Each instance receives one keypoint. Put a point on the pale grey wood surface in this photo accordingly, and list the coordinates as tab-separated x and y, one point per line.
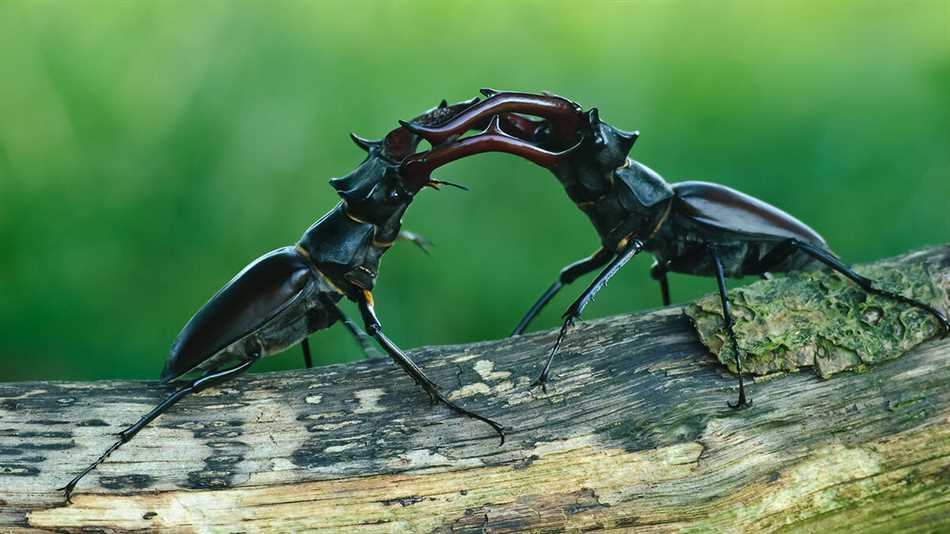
634	433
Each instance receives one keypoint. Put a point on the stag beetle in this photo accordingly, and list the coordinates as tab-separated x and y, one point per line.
289	293
697	228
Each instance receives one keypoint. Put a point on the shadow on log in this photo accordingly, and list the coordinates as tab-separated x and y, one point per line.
634	433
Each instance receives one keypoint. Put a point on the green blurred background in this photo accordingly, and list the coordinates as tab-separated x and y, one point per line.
149	150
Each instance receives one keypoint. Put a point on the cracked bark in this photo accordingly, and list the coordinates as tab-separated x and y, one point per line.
634	433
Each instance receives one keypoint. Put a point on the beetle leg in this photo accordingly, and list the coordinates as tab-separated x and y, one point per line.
866	283
658	272
359	335
776	256
568	274
375	329
773	260
307	360
209	379
415	239
727	317
577	308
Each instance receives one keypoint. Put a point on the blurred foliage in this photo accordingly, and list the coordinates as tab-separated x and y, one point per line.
149	150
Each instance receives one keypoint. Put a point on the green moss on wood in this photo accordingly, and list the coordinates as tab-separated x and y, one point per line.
822	319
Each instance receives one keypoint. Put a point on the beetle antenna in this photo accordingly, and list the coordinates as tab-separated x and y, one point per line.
434	184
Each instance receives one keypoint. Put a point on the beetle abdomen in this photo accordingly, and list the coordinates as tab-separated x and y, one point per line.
252	298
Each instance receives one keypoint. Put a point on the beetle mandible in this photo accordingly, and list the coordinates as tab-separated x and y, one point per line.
697	228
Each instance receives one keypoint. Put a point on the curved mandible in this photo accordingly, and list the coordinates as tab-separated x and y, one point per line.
401	142
416	169
564	115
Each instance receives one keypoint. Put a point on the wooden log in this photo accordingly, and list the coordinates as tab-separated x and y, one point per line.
633	434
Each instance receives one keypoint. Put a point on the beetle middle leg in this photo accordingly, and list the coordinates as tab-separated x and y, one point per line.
577	307
727	318
681	263
375	329
307	359
658	272
568	274
209	379
358	334
866	283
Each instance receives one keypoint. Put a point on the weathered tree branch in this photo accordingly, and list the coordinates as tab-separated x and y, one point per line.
634	433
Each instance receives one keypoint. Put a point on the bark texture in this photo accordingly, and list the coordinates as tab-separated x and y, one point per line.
634	433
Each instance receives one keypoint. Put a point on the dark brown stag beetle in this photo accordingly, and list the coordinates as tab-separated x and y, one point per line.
287	294
695	228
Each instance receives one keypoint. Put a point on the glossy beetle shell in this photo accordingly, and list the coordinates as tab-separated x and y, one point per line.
254	297
733	211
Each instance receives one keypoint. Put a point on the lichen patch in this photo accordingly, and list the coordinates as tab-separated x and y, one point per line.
822	320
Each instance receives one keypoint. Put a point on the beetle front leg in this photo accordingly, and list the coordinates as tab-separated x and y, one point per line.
577	308
568	274
727	317
375	329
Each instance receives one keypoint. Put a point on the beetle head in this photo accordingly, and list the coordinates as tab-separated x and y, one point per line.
373	191
602	147
376	191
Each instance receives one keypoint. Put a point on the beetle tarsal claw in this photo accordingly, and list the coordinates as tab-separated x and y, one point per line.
538	382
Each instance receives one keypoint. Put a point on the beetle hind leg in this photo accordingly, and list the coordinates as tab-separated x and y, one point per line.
743	401
867	284
209	379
